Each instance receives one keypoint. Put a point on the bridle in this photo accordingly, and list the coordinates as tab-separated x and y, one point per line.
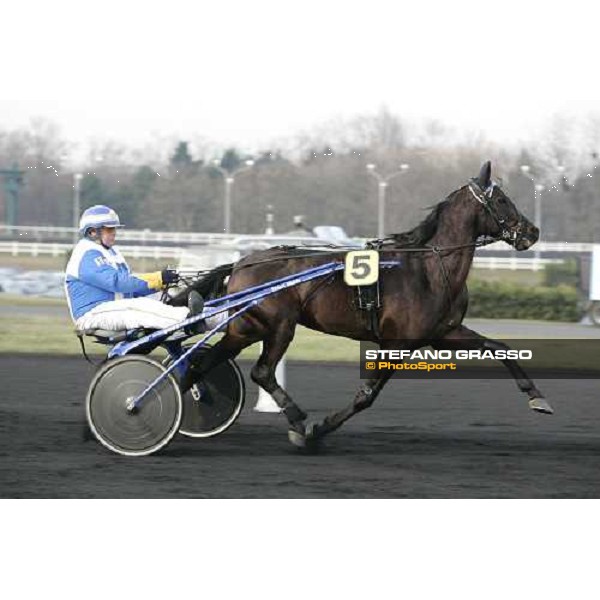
508	232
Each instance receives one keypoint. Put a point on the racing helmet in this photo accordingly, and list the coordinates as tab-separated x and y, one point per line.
98	216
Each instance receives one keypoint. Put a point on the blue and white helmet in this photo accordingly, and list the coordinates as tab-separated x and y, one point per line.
98	216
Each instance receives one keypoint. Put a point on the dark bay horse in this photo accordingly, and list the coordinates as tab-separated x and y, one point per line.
423	299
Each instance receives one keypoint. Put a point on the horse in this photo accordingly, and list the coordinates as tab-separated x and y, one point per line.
423	300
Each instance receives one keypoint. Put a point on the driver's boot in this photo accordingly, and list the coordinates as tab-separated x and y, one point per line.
196	306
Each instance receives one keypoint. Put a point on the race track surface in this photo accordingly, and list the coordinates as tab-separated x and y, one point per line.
420	439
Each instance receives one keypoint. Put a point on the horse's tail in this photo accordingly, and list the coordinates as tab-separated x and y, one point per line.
212	285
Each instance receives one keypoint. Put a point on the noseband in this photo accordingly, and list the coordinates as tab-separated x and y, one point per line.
507	232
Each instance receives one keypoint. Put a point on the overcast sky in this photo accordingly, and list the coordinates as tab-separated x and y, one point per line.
245	73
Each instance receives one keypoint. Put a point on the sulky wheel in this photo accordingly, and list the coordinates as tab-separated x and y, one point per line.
214	402
150	425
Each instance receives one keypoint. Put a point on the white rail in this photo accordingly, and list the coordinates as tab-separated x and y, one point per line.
41	248
38	233
513	263
23	232
157	252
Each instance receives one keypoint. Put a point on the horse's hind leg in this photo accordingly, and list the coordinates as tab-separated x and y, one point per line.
263	374
228	347
364	398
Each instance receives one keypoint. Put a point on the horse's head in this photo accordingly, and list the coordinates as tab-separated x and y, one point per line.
499	217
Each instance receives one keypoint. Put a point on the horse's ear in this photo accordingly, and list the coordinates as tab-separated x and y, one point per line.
485	175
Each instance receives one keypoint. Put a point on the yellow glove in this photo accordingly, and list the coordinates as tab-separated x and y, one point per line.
154	280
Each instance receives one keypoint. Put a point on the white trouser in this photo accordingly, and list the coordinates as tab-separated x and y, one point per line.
132	313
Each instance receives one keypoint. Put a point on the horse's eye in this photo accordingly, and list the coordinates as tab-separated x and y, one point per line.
502	200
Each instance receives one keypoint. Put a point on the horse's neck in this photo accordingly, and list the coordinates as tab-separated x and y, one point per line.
457	227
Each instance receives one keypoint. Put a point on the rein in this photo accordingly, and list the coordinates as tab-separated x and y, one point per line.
375	244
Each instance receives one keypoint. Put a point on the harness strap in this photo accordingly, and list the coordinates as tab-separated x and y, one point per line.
95	364
369	300
437	251
319	284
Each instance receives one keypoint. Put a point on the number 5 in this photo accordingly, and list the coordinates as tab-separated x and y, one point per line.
361	267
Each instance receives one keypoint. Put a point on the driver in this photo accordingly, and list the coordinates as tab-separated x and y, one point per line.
101	291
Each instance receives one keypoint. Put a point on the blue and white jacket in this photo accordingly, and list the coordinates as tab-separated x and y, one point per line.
96	274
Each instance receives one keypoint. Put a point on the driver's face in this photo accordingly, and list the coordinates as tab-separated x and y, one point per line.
108	235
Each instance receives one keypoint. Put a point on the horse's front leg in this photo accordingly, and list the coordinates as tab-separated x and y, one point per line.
464	337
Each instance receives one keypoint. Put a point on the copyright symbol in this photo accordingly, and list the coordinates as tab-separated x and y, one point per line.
370	366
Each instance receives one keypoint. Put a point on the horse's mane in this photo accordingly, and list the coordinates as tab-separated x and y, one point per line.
413	238
425	230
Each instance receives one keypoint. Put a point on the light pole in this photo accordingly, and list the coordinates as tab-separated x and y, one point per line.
77	177
382	185
228	178
270	229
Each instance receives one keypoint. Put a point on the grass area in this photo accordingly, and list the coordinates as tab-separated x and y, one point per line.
42	335
19	300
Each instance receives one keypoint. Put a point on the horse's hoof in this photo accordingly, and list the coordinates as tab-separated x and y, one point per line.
296	437
540	405
312	433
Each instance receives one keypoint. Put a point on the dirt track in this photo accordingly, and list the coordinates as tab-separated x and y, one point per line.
421	439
